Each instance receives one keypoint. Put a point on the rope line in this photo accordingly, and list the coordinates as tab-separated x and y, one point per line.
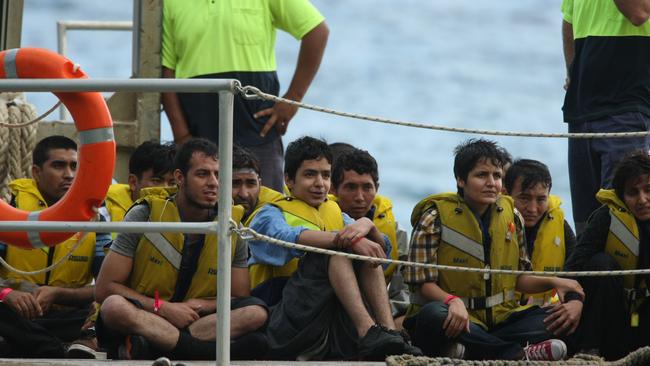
37	119
46	269
251	92
247	233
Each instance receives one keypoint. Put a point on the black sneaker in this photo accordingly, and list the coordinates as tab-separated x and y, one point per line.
250	346
380	342
135	347
409	348
5	347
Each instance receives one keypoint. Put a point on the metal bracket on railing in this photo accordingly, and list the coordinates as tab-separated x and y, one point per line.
243	232
249	92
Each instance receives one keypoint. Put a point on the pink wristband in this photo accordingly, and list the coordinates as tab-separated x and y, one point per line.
5	292
449	298
157	303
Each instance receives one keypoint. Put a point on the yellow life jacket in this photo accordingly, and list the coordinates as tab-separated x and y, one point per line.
384	220
267	195
549	252
118	201
489	298
296	212
74	272
623	237
158	257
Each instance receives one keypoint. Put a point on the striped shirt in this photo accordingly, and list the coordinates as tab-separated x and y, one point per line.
425	242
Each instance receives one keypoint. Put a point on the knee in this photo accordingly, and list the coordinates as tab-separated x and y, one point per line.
255	316
601	262
114	312
432	315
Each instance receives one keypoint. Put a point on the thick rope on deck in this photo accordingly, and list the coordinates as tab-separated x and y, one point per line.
17	142
251	92
640	357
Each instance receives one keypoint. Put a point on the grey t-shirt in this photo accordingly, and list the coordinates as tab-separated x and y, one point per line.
127	243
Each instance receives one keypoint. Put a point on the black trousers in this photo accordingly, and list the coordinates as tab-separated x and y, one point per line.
42	337
606	316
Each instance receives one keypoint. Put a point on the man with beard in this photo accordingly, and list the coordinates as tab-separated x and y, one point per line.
247	188
158	289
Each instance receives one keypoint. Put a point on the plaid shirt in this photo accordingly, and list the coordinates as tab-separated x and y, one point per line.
425	241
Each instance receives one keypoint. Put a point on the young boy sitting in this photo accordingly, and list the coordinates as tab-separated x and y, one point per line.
322	313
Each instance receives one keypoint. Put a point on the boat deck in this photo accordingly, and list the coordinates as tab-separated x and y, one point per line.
71	362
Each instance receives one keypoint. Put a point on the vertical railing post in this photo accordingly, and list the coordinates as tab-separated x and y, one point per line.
62	48
226	99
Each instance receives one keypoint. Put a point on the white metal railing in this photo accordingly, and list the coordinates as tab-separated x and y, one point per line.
226	89
62	28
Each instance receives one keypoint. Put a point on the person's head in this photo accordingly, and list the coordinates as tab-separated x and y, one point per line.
529	183
338	149
506	166
54	165
151	165
632	183
197	173
478	169
307	169
355	180
245	178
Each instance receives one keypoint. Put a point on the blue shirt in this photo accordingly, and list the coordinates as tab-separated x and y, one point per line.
271	222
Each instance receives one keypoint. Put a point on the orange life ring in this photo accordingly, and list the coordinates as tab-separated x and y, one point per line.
96	150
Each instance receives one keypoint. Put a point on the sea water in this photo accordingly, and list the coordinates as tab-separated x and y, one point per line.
480	64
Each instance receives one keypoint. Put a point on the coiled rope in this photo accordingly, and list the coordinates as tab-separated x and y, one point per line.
251	92
18	140
640	357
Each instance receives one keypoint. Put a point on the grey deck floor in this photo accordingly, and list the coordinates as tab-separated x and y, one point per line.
65	362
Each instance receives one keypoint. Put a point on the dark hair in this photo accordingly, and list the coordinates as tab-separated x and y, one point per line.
338	149
633	166
304	148
152	155
42	149
197	144
242	158
470	152
358	160
531	172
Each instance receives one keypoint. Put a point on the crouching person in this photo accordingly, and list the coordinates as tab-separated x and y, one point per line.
158	289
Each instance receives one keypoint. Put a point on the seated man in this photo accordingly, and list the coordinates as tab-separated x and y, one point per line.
38	313
549	238
150	165
247	188
154	303
322	312
617	236
476	315
355	181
